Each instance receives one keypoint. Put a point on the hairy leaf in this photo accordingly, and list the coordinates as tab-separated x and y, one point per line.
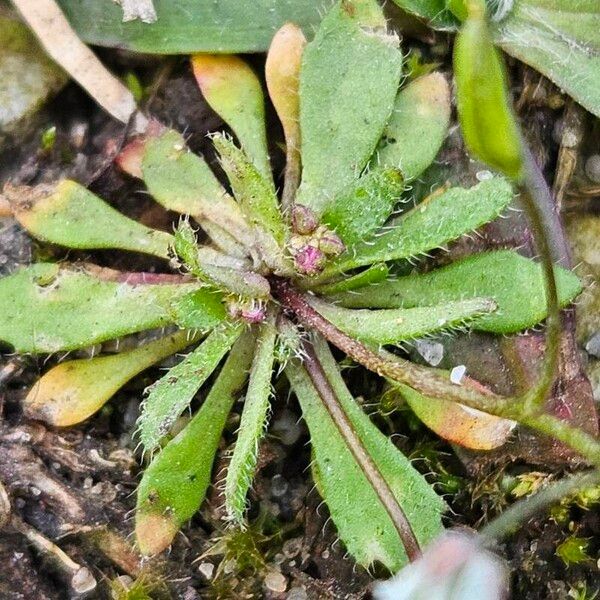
417	127
48	307
233	91
74	390
188	26
434	11
254	193
240	471
486	118
431	224
170	395
559	38
457	423
348	82
175	483
362	522
394	325
514	283
374	274
70	215
364	205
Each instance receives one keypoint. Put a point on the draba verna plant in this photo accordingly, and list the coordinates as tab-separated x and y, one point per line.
277	279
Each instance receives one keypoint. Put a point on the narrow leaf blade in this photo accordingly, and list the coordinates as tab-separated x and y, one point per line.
252	426
513	282
417	127
233	91
49	308
175	483
169	396
363	524
391	326
348	82
74	390
431	224
70	215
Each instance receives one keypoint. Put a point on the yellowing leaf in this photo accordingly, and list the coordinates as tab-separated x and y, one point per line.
74	390
457	423
233	91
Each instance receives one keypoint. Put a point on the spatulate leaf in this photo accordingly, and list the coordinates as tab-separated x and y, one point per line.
361	520
431	224
513	282
175	483
456	423
233	91
348	81
75	389
394	325
70	215
417	127
357	212
48	308
170	395
253	424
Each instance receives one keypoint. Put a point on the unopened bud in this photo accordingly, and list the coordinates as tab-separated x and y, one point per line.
254	314
304	220
331	244
309	260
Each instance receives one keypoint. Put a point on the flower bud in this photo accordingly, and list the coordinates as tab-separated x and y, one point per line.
331	244
304	220
309	260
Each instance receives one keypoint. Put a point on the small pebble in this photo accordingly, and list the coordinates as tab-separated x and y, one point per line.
276	582
457	374
297	593
484	175
592	168
432	352
206	570
279	486
592	346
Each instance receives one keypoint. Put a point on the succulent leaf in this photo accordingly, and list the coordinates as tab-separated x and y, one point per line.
417	127
365	205
457	423
233	91
240	471
513	282
49	307
374	274
70	215
431	224
362	522
75	389
175	483
170	395
378	327
349	79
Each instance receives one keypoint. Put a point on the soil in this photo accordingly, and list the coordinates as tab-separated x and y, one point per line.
76	487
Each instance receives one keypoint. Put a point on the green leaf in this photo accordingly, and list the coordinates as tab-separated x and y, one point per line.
391	326
374	274
177	178
175	483
417	127
48	307
171	394
75	389
514	283
348	81
188	26
431	224
234	92
559	38
486	118
256	196
70	215
365	205
362	522
434	11
252	425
